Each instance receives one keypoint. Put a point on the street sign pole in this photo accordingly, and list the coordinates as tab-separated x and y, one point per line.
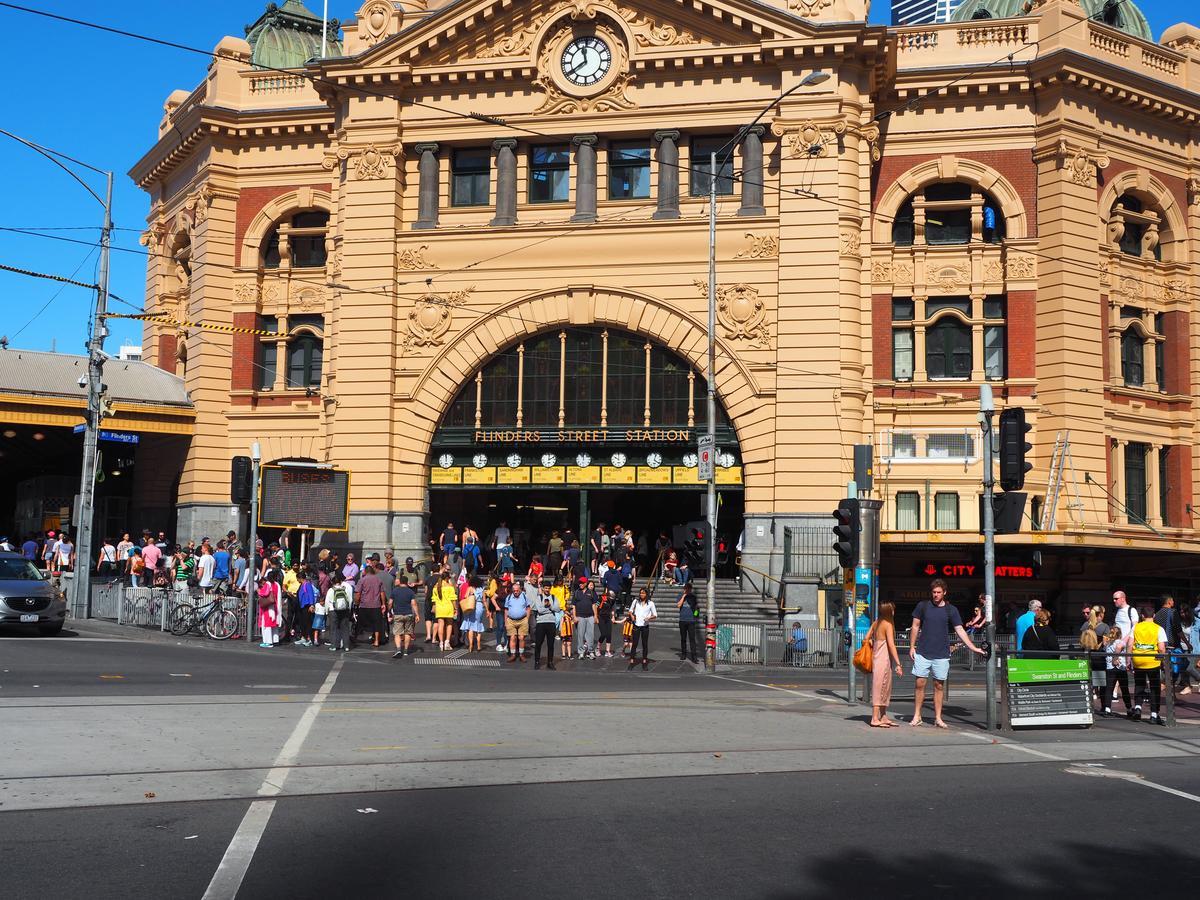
987	409
251	562
708	444
866	573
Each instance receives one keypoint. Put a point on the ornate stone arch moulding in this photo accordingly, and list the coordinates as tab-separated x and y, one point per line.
1140	181
950	168
274	210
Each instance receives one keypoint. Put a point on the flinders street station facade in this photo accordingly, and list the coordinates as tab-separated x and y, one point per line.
461	251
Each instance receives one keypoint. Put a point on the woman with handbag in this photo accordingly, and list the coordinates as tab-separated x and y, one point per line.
884	659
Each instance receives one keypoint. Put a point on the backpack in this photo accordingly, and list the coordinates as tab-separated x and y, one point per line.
341	601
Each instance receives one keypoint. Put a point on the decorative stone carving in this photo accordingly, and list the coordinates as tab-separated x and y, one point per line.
370	162
993	271
333	267
806	139
1173	289
762	246
155	235
270	294
431	317
741	313
307	300
1193	189
809	7
1080	165
849	239
414	259
950	277
197	204
247	292
902	273
1108	269
373	21
650	34
1021	266
881	272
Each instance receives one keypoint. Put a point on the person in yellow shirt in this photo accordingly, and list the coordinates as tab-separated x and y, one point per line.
1149	646
445	598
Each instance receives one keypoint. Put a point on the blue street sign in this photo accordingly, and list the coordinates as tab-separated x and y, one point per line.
117	437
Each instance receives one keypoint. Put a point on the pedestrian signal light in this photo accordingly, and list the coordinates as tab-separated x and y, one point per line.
846	532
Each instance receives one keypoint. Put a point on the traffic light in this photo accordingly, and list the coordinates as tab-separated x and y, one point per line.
846	532
240	480
1013	448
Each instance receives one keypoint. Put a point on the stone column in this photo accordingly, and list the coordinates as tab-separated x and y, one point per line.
428	190
1120	516
585	178
1154	511
506	182
919	372
668	174
752	173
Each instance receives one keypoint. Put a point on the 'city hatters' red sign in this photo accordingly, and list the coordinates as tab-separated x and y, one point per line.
970	570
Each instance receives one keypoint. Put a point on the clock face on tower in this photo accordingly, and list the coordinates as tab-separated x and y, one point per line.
586	60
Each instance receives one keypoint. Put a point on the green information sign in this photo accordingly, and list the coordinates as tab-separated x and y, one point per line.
1048	692
1023	671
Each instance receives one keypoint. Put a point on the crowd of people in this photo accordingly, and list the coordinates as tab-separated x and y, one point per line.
1135	642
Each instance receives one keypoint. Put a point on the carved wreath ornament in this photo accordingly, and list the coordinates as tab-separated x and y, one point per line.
741	313
431	317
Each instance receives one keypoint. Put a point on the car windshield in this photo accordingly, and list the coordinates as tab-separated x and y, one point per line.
18	570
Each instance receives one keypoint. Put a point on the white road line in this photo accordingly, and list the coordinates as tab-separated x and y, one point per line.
227	880
1014	746
770	687
1133	777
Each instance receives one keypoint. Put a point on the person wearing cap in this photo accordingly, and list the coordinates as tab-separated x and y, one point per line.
583	608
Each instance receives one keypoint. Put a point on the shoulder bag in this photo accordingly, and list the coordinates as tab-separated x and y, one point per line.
864	656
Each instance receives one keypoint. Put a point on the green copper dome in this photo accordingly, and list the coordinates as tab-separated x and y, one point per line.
286	37
1121	15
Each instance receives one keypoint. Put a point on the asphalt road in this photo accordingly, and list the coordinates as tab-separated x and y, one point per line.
131	765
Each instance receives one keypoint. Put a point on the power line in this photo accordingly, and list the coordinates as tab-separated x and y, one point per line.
56	294
32	274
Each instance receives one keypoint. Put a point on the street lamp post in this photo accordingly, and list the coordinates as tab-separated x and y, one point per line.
82	598
710	631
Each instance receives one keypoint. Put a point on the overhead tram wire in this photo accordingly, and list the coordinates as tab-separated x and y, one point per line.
62	287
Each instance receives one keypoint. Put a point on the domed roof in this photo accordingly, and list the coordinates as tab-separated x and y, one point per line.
286	37
1124	16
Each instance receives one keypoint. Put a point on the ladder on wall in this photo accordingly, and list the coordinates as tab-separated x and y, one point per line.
1061	464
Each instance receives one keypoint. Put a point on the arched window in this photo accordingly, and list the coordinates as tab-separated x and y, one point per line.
1111	14
301	240
949	212
604	380
948	349
1133	358
304	361
981	13
1134	229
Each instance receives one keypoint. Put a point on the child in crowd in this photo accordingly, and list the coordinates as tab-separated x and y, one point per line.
566	630
626	621
318	624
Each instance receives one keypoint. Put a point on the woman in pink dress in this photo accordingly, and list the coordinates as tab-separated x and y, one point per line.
885	660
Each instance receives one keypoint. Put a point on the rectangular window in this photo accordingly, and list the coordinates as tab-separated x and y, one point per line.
1164	489
945	511
1135	482
950	446
902	354
993	307
549	174
908	511
701	165
902	309
1133	358
903	445
994	357
470	171
628	171
264	373
1131	312
947	226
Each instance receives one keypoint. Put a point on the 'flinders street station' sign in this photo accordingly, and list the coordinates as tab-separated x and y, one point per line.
584	436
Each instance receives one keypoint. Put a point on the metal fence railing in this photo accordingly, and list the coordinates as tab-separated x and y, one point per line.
768	645
808	553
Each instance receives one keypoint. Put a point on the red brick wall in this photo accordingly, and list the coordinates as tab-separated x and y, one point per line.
1022	334
250	204
1177	328
881	336
168	345
244	355
1015	165
1179	486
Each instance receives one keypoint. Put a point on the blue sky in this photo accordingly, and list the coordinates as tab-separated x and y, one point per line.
98	97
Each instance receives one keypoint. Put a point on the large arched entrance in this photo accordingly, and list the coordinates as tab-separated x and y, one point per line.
575	427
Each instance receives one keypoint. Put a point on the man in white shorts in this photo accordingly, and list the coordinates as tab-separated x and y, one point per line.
930	647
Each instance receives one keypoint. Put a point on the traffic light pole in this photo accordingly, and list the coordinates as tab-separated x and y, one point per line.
251	551
987	409
710	619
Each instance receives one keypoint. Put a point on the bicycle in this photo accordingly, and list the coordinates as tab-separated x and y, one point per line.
218	623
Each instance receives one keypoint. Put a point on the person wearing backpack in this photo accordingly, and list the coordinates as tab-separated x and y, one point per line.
338	604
